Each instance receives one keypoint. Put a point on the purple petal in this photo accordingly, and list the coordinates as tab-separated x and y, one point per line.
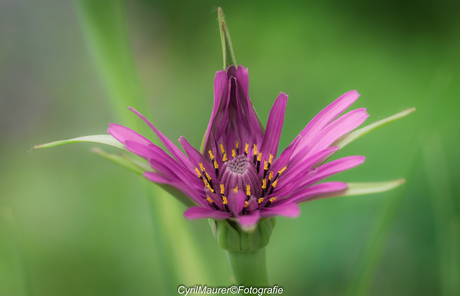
250	220
194	213
290	210
236	201
274	126
326	116
196	157
168	144
220	89
338	128
123	134
315	190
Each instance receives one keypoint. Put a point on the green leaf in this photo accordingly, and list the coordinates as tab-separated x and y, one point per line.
362	188
227	48
102	139
122	160
348	138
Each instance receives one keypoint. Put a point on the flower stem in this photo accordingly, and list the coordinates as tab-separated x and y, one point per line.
249	268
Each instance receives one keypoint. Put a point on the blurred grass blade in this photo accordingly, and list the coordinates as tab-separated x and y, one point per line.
102	139
227	48
445	220
22	268
361	189
347	139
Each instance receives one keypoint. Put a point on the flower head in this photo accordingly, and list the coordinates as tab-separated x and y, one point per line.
240	175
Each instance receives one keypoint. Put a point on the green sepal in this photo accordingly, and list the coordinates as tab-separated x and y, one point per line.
231	237
227	48
102	139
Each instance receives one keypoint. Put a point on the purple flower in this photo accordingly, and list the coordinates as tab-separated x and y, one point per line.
240	175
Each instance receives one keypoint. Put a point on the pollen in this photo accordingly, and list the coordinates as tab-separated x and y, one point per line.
222	189
233	153
216	166
235	189
248	190
270	176
265	165
270	159
246	204
222	148
275	183
207	176
282	170
224	200
246	148
198	172
201	166
273	199
255	149
259	157
264	183
260	200
211	155
224	157
209	199
236	145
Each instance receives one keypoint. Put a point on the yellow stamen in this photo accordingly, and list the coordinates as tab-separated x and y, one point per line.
248	190
259	157
216	166
207	176
260	200
246	148
233	153
209	199
270	176
246	204
198	172
273	199
211	155
201	166
224	200
236	144
255	149
282	170
270	159
275	183
222	189
224	157
265	165
236	189
222	148
264	183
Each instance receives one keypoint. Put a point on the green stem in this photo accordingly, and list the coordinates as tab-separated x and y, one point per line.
249	268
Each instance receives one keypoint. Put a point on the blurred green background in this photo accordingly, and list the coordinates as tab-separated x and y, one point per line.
73	223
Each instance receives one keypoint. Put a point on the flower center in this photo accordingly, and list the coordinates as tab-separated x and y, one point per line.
239	164
241	172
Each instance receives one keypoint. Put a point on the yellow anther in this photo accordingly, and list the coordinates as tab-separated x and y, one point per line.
235	189
275	183
260	200
264	184
270	176
224	200
248	190
222	148
224	157
265	165
216	166
270	159
206	184
198	172
255	149
273	199
259	157
246	148
209	199
282	170
207	176
233	153
211	155
201	166
236	145
246	204
222	189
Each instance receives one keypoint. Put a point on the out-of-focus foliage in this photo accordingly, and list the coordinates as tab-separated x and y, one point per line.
73	223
